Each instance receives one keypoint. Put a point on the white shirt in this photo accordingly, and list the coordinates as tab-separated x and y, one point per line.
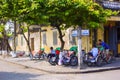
94	51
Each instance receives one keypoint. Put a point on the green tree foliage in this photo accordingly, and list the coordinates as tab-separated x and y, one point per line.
13	10
84	13
1	30
78	12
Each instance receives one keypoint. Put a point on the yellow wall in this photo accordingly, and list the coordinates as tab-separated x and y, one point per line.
86	40
20	47
119	48
49	39
100	34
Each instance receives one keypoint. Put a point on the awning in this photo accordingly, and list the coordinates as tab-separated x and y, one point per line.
111	5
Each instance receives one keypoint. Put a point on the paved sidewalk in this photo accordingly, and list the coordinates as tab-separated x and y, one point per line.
45	66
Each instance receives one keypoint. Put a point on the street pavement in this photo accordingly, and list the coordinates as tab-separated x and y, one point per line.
43	65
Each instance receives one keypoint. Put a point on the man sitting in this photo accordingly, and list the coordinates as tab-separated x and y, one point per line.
94	52
52	53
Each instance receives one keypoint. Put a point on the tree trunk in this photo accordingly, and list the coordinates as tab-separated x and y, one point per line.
8	46
0	43
27	40
4	42
14	35
4	46
61	37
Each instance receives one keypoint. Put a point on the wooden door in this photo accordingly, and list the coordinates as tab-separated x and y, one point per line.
32	44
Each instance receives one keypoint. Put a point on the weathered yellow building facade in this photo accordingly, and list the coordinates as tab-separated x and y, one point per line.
50	37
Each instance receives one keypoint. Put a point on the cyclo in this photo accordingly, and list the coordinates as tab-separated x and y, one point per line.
101	57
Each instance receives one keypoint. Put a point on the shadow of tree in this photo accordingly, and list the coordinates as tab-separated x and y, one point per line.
17	76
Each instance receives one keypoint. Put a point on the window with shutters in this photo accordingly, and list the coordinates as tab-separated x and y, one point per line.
72	39
44	39
16	41
54	37
21	40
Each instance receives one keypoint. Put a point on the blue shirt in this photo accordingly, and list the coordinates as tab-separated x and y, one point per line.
52	51
105	45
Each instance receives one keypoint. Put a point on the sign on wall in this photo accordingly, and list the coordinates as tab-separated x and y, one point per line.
74	33
85	32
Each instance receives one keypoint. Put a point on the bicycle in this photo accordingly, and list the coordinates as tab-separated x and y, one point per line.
92	61
107	56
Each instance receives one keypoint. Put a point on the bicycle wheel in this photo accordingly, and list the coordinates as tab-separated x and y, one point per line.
99	61
74	61
52	61
109	58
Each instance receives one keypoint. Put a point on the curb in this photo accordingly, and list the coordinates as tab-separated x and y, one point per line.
101	70
56	72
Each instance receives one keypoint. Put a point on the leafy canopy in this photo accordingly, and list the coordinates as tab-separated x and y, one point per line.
85	13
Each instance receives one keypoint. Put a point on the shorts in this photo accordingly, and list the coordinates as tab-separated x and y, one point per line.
107	51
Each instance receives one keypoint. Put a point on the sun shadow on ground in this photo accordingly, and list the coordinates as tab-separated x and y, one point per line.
17	76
